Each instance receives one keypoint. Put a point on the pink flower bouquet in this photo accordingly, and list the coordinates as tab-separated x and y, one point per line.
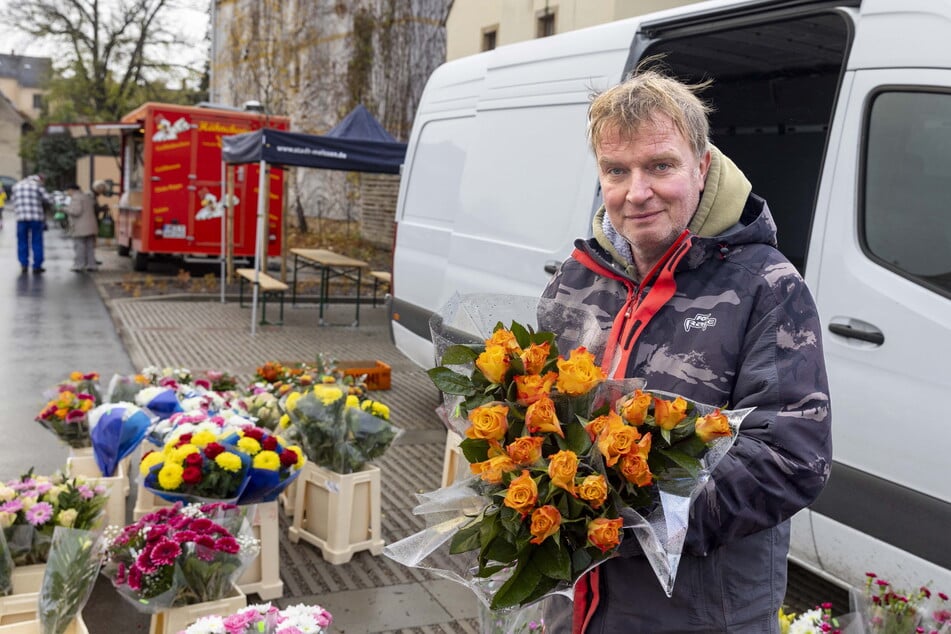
179	555
266	619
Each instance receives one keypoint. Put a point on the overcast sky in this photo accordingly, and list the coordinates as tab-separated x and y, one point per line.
193	21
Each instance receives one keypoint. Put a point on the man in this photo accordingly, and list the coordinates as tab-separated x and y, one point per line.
28	199
84	228
696	299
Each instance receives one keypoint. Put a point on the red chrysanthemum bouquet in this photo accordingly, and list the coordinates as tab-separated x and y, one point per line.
179	555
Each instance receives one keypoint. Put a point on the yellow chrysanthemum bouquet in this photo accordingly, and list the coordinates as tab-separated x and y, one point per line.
336	429
242	465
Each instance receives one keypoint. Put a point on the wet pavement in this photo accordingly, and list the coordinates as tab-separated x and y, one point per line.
64	321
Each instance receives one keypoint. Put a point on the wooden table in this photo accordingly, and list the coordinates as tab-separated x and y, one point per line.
330	265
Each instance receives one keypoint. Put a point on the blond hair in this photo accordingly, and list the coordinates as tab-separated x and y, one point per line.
639	99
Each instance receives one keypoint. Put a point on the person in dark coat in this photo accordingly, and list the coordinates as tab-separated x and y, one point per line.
694	297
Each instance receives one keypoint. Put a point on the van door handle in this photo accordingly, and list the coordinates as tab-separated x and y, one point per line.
551	267
872	335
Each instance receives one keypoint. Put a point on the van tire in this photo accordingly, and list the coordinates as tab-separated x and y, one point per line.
140	261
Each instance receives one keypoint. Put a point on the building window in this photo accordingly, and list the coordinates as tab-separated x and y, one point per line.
38	101
545	23
489	37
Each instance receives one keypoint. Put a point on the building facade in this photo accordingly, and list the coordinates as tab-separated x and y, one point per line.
23	83
480	25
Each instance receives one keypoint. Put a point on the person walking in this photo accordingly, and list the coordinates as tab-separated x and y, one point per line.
696	299
83	228
28	198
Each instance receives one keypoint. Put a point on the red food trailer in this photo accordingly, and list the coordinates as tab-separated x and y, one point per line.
171	201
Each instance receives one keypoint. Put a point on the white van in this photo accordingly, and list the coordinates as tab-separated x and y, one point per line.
840	115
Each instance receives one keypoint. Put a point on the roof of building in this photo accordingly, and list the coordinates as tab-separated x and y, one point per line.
30	72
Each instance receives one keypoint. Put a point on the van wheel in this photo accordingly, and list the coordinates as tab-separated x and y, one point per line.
140	261
123	250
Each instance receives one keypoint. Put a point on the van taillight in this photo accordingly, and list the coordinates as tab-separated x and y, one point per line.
396	227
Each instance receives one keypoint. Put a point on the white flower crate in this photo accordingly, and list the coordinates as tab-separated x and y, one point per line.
21	604
86	467
455	467
287	498
263	575
338	512
174	620
146	501
33	626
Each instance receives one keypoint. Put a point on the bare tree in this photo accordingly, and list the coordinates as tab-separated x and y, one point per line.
112	50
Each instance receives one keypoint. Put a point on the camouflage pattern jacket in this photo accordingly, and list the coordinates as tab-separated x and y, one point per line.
724	320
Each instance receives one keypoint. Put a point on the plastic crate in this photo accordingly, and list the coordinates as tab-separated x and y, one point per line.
377	373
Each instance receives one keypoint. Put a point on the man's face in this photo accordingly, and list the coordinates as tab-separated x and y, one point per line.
651	183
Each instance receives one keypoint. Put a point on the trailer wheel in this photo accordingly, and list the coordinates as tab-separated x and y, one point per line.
123	250
140	261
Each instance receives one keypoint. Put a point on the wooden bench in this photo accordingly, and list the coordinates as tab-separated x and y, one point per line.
267	286
380	277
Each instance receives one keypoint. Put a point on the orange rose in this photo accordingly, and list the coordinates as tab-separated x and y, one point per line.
594	490
605	534
546	520
541	417
492	469
535	356
713	426
504	338
617	439
634	409
562	468
668	413
578	374
526	450
522	494
489	422
531	387
596	425
494	363
634	467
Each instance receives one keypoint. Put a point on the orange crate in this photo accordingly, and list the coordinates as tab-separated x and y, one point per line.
377	372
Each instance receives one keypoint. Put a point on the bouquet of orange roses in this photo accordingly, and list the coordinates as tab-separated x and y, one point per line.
564	460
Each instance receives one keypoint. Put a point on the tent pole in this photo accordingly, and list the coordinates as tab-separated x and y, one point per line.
259	240
222	201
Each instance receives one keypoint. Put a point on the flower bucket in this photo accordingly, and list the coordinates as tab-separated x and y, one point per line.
263	575
146	501
16	608
28	578
86	467
21	605
455	467
338	512
175	620
287	498
33	626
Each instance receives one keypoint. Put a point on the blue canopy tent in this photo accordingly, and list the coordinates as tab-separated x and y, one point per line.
357	144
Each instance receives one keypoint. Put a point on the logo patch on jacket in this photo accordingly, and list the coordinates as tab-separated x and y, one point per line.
701	322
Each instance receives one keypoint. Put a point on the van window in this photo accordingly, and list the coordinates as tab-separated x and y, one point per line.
906	217
437	169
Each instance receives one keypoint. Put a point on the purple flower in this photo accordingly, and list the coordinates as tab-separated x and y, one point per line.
86	492
43	487
185	536
238	623
39	513
135	578
13	506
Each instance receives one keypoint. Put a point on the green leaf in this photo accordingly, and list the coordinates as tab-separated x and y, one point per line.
450	382
459	355
500	550
686	462
519	586
466	538
475	449
577	438
552	559
522	335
